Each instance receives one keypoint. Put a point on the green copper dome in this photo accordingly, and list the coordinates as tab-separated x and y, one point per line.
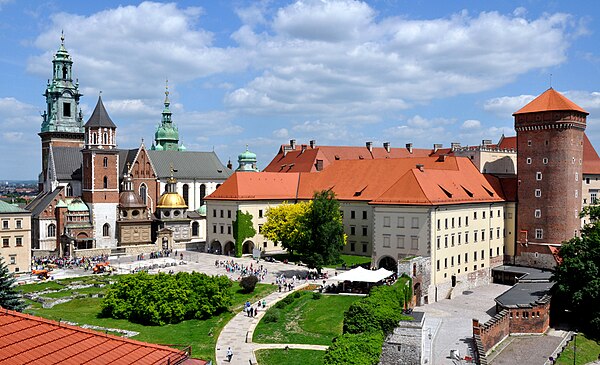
202	210
247	156
165	132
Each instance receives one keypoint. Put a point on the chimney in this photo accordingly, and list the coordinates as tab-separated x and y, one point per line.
370	146
293	144
409	147
486	142
455	145
421	167
312	143
441	158
303	149
319	165
386	145
437	146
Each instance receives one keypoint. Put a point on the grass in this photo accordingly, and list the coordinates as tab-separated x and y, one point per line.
31	288
306	320
351	260
588	350
289	357
200	334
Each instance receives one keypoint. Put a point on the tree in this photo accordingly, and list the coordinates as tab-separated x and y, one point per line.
242	229
286	224
578	275
9	298
326	232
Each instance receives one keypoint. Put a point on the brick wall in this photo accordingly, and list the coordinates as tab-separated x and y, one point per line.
535	319
492	331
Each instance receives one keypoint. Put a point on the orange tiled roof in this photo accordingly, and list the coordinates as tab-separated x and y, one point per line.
304	158
34	340
547	101
508	143
591	160
447	180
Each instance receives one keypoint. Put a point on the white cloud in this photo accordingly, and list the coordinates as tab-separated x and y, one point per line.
281	133
471	124
507	105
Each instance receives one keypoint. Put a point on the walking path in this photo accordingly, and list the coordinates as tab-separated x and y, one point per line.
238	333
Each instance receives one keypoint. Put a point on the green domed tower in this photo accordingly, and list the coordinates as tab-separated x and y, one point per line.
167	135
247	161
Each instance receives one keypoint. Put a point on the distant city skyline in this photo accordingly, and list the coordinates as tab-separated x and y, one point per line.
261	73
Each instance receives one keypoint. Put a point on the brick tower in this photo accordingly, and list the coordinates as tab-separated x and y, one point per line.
549	164
100	187
62	119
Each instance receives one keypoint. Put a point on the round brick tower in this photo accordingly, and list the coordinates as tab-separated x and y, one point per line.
549	167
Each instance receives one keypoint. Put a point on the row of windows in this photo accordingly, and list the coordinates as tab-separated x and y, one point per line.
353	246
525	314
544	160
414	241
353	214
400	222
457	238
365	230
222	228
6	241
451	222
222	213
457	259
6	223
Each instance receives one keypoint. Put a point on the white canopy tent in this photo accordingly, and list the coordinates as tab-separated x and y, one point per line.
363	275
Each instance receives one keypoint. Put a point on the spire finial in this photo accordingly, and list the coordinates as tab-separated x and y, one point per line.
551	81
62	37
246	147
166	91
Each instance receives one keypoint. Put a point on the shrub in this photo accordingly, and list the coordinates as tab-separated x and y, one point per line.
317	296
271	316
296	295
248	283
359	349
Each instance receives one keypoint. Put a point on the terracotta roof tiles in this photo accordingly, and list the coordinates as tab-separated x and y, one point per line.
549	100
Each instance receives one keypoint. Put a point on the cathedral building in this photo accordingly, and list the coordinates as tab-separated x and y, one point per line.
96	198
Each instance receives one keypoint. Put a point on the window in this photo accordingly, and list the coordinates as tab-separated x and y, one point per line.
105	138
446	263
19	241
483	214
452	261
67	110
475	236
52	230
260	228
545	161
438	241
106	230
459	219
228	213
401	222
576	193
144	193
458	260
386	240
352	214
364	247
538	193
482	254
475	256
195	228
386	221
466	257
474	215
202	193
459	236
576	176
452	240
482	235
438	265
364	230
439	224
452	222
105	162
414	242
400	241
69	190
94	138
222	228
446	223
264	245
529	160
587	180
214	213
467	221
593	197
221	213
529	142
13	259
186	194
446	241
105	182
229	229
538	176
19	223
214	228
498	232
466	237
539	234
415	222
260	213
538	213
352	230
364	214
5	242
352	246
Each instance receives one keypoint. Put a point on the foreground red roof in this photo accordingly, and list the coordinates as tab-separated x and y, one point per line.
549	100
26	339
591	160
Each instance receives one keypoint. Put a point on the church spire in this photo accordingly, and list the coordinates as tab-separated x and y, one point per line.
167	135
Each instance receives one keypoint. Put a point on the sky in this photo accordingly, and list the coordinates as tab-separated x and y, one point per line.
260	73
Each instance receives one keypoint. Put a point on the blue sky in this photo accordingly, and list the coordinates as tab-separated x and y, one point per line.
260	73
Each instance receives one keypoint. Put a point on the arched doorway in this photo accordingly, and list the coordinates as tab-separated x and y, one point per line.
229	249
388	263
247	247
417	294
215	247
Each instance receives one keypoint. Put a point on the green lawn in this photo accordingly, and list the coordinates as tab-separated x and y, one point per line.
201	335
587	351
289	357
306	320
351	260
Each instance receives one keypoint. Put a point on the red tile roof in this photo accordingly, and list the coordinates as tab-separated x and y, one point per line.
447	180
549	100
304	158
591	160
26	339
508	143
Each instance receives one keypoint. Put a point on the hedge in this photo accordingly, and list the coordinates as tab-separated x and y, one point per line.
359	349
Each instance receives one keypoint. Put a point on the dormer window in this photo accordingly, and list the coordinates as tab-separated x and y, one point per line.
67	110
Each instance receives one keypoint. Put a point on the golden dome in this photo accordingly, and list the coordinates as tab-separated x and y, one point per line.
171	200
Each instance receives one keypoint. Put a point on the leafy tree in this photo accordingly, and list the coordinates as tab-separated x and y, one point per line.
578	276
248	283
326	232
242	229
286	224
9	298
360	349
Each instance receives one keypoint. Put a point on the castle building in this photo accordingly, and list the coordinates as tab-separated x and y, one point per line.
15	233
171	214
90	189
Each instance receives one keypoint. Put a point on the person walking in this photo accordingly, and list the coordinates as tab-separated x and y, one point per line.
229	354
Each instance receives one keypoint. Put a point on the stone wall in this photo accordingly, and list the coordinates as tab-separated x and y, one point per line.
463	282
419	270
493	331
91	252
404	345
534	258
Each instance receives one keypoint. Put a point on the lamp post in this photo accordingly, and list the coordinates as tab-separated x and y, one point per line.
575	347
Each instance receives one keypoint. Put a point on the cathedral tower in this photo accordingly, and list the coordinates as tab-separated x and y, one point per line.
549	166
62	119
100	187
166	137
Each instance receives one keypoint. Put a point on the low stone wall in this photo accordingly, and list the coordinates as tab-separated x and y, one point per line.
493	331
463	282
534	319
404	345
535	259
91	252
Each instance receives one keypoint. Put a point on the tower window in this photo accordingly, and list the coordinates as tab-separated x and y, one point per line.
539	234
538	193
105	138
105	182
576	176
529	142
529	160
538	213
66	109
538	176
105	162
106	230
545	160
143	192
52	230
94	138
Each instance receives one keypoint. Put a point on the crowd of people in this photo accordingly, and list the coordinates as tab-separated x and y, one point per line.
158	254
233	267
87	263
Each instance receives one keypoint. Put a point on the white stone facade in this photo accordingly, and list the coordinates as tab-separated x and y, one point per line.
104	213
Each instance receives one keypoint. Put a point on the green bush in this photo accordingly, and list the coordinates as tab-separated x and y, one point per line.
296	295
271	316
161	299
248	283
317	296
355	349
